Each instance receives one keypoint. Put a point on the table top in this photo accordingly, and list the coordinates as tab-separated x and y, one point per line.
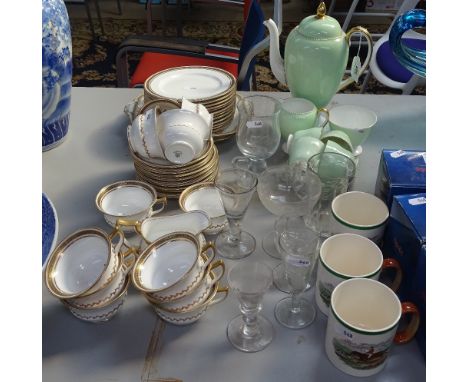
136	345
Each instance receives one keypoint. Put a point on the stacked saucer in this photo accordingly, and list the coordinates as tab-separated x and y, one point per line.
214	88
171	179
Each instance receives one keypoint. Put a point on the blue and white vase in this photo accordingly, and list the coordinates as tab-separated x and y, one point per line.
56	73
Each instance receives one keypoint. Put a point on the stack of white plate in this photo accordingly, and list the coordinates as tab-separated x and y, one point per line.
214	88
171	179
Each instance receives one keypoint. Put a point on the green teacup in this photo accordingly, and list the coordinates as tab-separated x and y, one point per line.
298	114
302	145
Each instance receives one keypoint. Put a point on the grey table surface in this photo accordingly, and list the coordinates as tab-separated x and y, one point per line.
135	345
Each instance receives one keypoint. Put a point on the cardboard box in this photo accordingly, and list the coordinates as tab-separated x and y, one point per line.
400	172
418	297
405	236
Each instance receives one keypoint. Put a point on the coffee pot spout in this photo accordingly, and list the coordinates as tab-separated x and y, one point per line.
276	61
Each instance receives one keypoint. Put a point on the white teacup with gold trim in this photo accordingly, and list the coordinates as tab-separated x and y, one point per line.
217	294
153	228
196	296
172	266
130	200
106	294
83	263
104	312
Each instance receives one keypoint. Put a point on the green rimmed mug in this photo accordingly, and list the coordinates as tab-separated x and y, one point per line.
360	213
297	114
363	325
345	256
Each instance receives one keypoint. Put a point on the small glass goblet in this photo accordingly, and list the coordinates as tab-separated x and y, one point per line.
299	244
250	331
258	136
336	172
236	187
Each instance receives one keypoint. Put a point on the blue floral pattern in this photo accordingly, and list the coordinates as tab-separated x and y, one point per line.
56	72
49	228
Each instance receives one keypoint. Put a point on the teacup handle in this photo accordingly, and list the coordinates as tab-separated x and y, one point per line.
326	119
391	263
129	258
217	299
217	264
208	258
407	334
120	222
162	200
157	102
117	232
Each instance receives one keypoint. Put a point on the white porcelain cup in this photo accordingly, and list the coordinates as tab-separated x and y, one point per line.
345	256
83	263
196	296
362	325
182	135
104	312
172	266
356	121
128	199
109	292
217	294
360	213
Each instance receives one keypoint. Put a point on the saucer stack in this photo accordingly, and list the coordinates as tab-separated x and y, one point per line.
171	179
214	88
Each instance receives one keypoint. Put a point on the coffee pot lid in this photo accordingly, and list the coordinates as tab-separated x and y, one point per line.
320	26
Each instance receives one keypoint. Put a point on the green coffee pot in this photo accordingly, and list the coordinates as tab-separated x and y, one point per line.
315	57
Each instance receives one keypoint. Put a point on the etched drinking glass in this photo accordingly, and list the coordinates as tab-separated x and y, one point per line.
258	136
299	244
250	331
236	187
336	172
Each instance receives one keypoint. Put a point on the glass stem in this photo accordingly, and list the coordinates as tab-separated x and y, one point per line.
234	230
249	315
295	302
257	166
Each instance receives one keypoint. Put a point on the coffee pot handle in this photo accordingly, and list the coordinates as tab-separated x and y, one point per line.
368	37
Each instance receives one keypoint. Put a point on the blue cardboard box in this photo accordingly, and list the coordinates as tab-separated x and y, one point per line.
418	297
400	172
405	236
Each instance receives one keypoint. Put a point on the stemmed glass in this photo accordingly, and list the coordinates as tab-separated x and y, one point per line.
258	136
336	172
250	331
236	187
286	190
299	244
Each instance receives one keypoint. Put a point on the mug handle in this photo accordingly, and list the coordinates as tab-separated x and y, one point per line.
391	263
114	233
162	200
218	299
206	258
326	119
218	275
407	334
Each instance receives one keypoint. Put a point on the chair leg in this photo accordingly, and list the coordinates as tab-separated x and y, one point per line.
179	18
119	7
163	17
149	18
98	10
365	82
90	20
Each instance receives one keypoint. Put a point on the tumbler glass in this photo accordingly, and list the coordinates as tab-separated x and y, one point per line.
336	172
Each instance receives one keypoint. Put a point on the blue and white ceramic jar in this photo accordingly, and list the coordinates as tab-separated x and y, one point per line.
56	72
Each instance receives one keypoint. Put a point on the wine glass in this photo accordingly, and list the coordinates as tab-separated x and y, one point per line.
299	244
286	190
236	187
258	136
336	172
250	331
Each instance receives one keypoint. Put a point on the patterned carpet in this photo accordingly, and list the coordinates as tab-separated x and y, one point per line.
94	61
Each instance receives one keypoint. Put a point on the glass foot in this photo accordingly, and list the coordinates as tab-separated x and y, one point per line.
268	245
297	318
254	343
280	281
235	249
